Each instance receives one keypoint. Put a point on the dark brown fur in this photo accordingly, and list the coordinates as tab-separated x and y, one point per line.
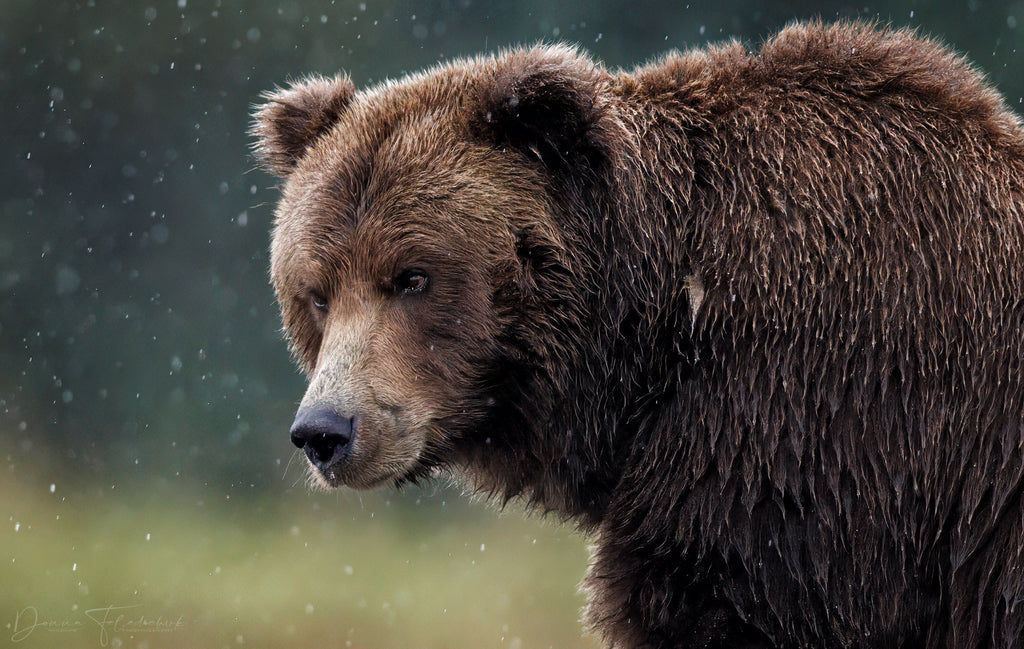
753	320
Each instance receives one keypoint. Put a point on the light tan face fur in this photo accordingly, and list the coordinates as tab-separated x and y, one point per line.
359	372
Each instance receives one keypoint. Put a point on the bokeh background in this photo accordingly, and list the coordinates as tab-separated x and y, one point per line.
149	496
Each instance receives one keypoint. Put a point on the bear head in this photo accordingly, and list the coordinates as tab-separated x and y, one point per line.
426	270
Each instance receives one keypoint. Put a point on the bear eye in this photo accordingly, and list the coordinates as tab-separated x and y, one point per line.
413	280
318	301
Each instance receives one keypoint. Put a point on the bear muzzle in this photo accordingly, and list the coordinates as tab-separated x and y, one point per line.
324	435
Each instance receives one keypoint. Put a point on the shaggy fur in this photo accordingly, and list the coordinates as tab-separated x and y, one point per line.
754	320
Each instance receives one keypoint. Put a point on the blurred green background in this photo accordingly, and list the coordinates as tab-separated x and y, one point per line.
149	494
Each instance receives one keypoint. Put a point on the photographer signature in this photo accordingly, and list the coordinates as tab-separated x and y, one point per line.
108	619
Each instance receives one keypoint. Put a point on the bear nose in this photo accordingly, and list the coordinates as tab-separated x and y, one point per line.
323	434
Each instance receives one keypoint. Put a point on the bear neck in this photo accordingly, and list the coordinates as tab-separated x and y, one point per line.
593	409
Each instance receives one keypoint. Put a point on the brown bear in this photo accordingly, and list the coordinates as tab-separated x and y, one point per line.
753	320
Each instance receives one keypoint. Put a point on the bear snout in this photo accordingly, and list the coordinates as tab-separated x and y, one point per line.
324	435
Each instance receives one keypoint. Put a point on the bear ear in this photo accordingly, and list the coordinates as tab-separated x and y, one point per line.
547	101
293	118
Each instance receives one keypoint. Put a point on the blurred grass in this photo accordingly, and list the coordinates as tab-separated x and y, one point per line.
379	570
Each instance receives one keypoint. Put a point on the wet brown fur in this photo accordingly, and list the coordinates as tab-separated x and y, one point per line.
827	451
